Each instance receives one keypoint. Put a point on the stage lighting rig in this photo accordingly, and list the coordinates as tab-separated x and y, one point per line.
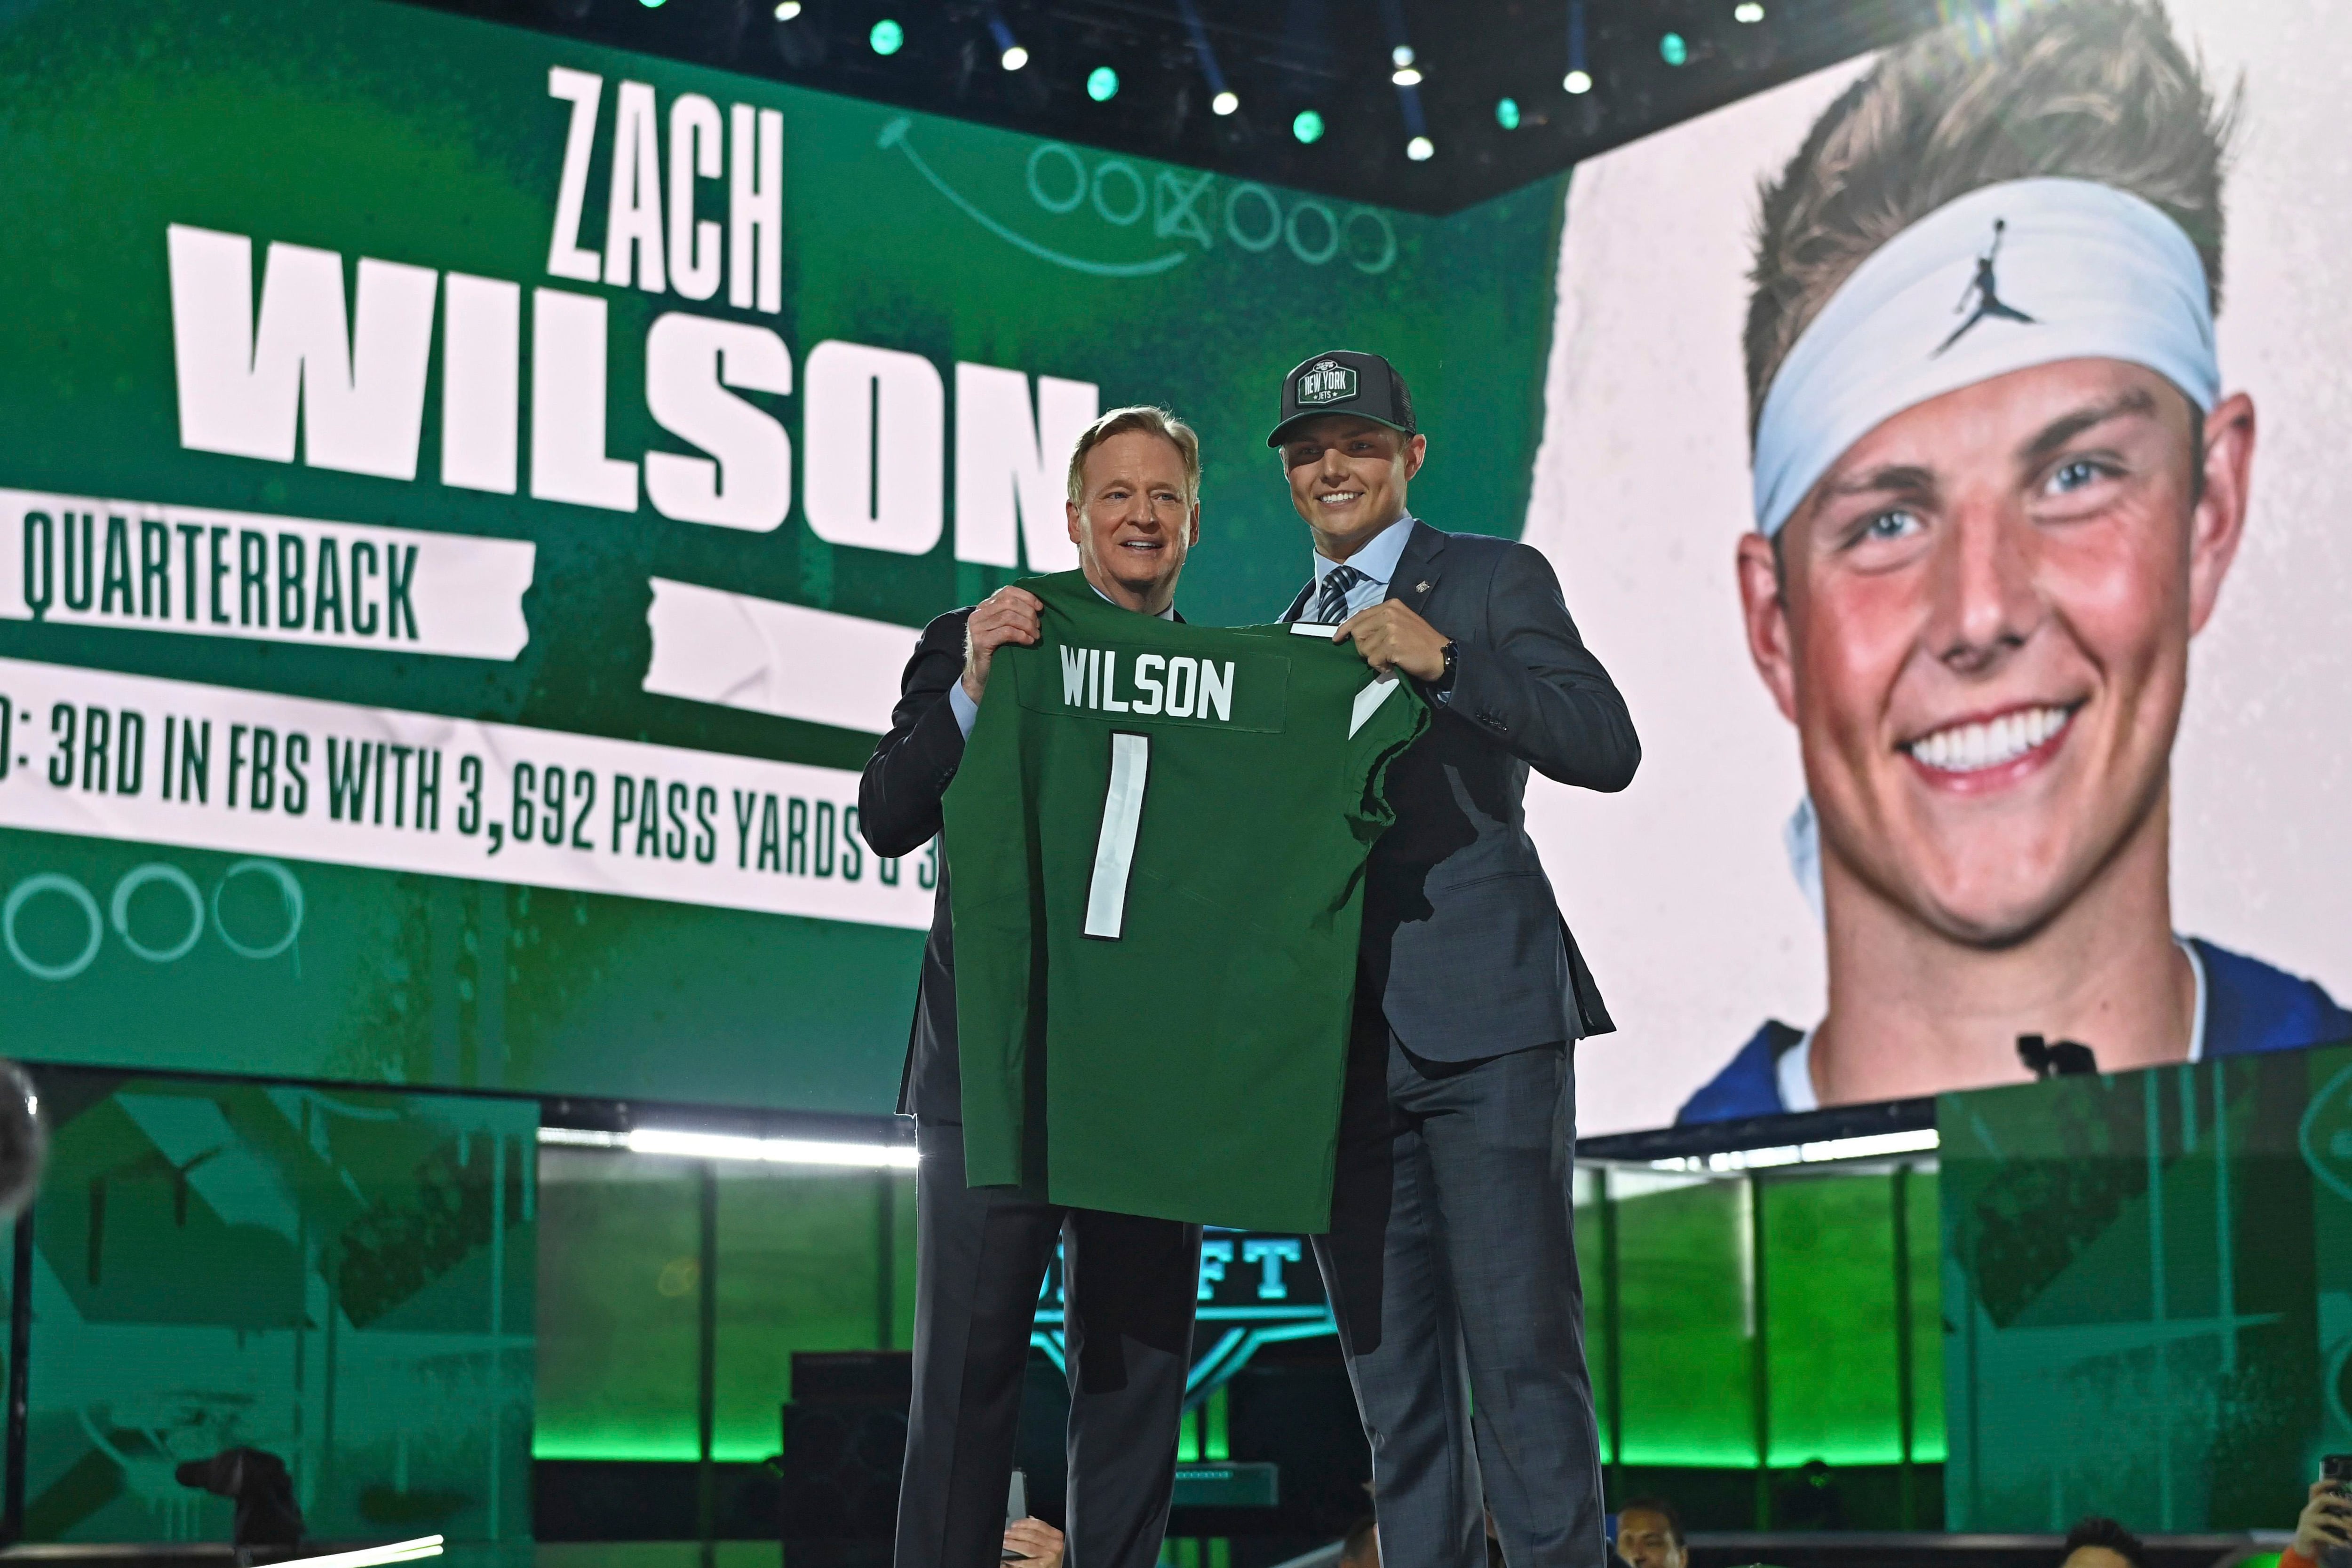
1214	85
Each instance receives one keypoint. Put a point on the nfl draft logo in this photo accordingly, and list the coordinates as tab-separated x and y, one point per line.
1327	380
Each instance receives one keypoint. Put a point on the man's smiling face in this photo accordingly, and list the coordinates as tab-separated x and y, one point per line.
1981	631
1348	477
1138	522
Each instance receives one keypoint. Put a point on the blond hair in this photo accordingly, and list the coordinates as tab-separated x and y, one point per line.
2084	90
1151	421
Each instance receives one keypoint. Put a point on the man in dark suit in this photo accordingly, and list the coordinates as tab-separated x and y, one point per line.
1451	1261
981	1253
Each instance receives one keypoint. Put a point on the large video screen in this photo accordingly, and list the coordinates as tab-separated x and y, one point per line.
2032	720
466	497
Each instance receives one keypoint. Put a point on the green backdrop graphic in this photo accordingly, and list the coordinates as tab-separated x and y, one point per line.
2148	1294
407	136
345	1280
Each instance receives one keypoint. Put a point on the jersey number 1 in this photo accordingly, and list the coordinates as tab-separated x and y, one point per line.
1130	766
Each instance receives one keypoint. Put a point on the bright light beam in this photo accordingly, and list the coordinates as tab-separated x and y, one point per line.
681	1144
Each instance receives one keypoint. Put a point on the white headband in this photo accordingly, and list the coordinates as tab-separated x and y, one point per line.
2010	275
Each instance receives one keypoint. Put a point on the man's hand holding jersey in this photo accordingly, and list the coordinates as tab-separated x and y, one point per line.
1007	616
1392	635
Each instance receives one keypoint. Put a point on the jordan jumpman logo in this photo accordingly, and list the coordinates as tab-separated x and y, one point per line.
1984	293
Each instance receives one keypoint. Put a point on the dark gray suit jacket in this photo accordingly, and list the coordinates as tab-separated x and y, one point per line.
1463	941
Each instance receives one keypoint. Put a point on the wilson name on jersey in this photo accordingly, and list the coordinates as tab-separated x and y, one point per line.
1176	684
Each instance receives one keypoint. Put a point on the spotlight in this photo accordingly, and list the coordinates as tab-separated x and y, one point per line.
888	37
1419	149
1224	104
650	4
1747	11
1308	126
1102	84
1009	52
1507	113
789	9
1401	56
1405	76
1674	49
1577	81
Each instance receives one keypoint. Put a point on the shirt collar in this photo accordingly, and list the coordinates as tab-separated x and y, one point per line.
1167	611
1377	559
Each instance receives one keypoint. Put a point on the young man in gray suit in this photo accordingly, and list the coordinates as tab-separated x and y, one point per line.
1451	1261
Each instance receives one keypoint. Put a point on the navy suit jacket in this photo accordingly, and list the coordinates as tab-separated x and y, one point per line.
1463	941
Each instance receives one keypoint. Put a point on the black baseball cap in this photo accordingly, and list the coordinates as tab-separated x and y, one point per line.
1344	382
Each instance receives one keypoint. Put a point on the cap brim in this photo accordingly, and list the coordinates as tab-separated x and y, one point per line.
1295	420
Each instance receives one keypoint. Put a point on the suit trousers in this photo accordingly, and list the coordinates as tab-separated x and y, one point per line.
1130	1285
1450	1268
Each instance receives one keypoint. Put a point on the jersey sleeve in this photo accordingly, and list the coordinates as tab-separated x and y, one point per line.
993	859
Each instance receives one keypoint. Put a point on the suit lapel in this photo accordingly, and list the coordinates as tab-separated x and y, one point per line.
1298	606
1415	577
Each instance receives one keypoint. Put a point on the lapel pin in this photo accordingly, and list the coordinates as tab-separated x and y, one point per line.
1422	586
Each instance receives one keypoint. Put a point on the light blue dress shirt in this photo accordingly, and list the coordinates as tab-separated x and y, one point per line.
967	711
1377	562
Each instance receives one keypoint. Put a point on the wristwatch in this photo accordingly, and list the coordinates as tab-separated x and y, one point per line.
1444	682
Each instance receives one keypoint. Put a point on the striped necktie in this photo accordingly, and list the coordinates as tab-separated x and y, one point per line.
1332	602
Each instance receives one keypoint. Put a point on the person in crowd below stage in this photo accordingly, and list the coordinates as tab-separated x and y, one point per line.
1035	1540
1987	532
1650	1534
2099	1542
1361	1547
2325	1527
981	1253
1451	1260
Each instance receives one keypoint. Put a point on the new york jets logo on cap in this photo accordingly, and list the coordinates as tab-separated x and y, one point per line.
1326	381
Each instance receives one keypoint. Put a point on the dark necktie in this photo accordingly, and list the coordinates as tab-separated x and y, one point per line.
1332	602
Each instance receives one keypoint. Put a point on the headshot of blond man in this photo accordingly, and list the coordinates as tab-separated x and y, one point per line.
2000	482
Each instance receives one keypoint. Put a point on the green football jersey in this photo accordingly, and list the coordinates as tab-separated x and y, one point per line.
1156	844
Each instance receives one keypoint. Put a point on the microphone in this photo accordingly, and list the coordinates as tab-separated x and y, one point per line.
2065	1059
